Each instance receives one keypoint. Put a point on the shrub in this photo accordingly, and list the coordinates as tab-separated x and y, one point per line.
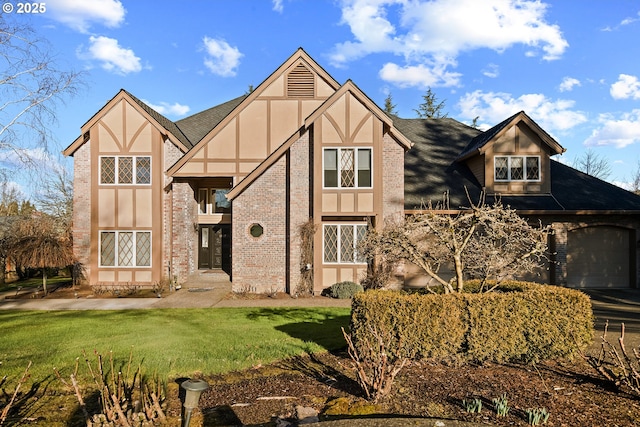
517	322
344	290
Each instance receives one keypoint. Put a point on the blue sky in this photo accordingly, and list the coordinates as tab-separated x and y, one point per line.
571	65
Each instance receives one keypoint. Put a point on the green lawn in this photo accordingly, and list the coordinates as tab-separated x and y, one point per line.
171	342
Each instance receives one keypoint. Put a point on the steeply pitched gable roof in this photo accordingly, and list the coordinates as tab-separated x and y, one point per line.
174	133
477	144
234	110
433	172
350	87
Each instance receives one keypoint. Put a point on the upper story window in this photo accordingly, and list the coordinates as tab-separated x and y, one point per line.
517	168
213	201
125	170
347	168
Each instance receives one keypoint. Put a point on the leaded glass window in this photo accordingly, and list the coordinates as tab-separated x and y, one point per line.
143	170
107	170
341	243
108	248
533	168
347	167
125	248
143	249
517	168
330	243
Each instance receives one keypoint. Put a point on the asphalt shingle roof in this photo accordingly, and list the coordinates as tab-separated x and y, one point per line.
431	172
200	124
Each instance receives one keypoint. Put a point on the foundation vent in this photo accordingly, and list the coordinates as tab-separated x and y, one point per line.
300	83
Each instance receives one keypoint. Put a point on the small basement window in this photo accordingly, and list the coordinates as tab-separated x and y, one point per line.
256	230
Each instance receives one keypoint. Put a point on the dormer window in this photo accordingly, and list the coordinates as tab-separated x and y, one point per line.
517	168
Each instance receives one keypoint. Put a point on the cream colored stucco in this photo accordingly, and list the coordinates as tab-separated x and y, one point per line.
134	121
284	121
143	276
219	168
107	276
113	120
365	202
252	140
346	274
323	90
142	142
107	145
329	202
124	276
143	207
338	114
347	202
329	276
309	107
245	168
275	89
365	133
223	145
106	207
125	212
329	133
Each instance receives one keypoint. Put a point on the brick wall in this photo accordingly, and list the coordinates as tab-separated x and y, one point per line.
82	206
184	232
299	204
259	264
393	178
171	155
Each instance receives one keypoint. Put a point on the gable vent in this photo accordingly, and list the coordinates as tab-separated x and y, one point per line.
300	83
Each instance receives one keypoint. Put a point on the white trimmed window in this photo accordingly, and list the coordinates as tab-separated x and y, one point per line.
125	170
347	167
517	168
125	249
340	242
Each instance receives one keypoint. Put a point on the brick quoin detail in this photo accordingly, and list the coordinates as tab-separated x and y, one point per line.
82	206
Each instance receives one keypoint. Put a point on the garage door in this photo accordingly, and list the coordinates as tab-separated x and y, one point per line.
598	257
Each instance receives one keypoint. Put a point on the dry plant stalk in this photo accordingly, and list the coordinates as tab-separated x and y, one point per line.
125	400
618	367
375	369
23	379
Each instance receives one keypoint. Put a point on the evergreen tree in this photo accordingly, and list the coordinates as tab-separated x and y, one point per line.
389	106
431	108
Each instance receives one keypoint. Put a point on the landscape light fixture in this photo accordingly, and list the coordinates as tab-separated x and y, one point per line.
193	389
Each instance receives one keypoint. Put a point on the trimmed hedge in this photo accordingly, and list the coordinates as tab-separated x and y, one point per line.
518	321
345	290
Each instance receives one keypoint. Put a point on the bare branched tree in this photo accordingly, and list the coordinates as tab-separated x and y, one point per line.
31	86
486	242
635	180
55	196
593	164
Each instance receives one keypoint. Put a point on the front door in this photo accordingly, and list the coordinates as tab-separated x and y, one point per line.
214	247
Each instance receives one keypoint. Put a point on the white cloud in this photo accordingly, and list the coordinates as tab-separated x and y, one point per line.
616	131
80	15
111	55
431	34
492	107
491	70
167	109
278	6
418	75
221	59
568	83
626	87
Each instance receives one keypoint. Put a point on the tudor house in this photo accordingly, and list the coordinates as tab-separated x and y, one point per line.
230	188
